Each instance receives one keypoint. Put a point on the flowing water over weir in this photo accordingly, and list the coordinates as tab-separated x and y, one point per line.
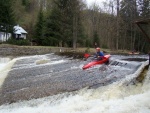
56	84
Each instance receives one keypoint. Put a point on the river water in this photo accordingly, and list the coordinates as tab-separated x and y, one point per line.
119	96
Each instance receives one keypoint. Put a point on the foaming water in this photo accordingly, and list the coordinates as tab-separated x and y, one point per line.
117	97
3	62
5	66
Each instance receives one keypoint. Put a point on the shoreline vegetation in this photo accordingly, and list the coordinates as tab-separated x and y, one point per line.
14	51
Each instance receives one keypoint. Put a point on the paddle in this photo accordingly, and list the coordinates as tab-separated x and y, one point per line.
86	55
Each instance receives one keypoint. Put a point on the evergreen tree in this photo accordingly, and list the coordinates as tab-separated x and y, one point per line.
75	12
128	13
144	8
7	19
62	25
53	26
39	28
25	2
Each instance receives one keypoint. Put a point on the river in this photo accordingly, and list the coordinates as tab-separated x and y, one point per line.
102	89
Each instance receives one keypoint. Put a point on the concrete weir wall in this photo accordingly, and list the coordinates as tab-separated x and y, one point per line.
7	50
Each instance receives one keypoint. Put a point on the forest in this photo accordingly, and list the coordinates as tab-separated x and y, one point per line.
71	23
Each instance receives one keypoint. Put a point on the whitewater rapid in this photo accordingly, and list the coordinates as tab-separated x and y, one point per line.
5	67
118	97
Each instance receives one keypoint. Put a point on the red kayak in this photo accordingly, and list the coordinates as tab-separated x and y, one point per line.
96	62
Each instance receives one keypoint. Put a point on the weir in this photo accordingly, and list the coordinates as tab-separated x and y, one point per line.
45	75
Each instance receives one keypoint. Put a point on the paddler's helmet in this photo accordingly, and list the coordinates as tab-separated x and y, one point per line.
98	49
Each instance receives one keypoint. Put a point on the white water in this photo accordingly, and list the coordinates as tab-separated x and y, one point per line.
3	62
114	98
5	66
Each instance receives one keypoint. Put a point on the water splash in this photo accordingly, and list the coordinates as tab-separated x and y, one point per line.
113	98
5	65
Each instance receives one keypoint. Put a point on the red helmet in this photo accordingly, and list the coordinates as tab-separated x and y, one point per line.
97	48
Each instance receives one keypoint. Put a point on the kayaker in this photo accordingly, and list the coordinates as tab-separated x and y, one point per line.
99	54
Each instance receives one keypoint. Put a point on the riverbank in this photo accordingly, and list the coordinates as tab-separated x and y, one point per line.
13	50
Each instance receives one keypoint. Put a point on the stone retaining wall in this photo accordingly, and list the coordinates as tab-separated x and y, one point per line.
9	50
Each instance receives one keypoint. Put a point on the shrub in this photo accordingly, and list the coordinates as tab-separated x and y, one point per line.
18	42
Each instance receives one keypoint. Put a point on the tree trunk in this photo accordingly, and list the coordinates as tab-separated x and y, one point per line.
117	38
74	32
134	37
143	46
131	48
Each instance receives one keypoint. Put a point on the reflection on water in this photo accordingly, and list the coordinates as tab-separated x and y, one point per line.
117	97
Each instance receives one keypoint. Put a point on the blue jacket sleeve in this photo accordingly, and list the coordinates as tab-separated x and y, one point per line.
101	54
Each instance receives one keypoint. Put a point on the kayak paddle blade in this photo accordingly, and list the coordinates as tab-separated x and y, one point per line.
86	55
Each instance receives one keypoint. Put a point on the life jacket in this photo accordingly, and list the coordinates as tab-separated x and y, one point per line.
100	54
